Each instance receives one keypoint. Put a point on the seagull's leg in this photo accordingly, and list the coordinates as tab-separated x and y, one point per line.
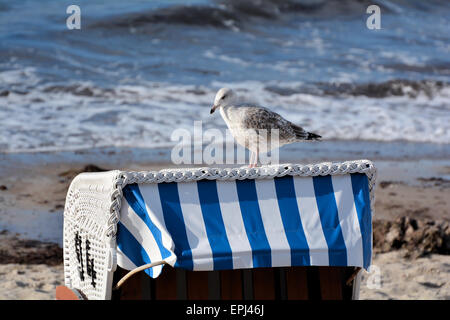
250	164
255	162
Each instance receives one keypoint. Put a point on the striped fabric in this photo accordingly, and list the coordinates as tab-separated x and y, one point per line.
216	225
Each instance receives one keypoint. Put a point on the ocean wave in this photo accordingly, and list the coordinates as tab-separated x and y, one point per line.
391	88
232	14
83	115
237	14
185	15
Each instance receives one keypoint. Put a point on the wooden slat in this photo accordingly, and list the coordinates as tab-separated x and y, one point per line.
118	274
349	274
231	284
214	285
263	284
166	284
147	287
181	284
297	283
197	285
313	283
132	288
247	284
280	284
331	283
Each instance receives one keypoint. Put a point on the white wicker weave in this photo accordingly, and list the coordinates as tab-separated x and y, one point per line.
94	200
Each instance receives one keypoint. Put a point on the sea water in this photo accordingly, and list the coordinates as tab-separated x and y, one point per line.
137	70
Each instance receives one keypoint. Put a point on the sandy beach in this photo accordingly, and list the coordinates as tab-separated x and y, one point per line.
411	225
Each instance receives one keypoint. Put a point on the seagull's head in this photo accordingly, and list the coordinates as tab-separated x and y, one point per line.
224	97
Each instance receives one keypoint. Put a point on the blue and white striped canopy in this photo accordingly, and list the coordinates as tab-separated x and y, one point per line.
233	224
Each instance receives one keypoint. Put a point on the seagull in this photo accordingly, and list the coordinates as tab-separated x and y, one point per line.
255	127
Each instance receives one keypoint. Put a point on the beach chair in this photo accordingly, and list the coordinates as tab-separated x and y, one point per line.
273	232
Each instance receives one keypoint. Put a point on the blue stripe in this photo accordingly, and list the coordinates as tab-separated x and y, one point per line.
251	215
360	185
132	248
326	203
290	215
173	218
215	228
136	201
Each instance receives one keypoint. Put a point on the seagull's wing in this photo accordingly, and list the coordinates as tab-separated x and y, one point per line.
260	118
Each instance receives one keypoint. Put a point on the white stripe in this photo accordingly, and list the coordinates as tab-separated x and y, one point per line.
309	215
123	261
195	226
137	227
273	225
348	219
234	225
150	193
127	264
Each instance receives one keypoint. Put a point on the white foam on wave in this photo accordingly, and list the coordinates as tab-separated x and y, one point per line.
420	119
145	115
17	77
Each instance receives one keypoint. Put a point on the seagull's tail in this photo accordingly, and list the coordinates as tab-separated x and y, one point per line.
313	136
302	134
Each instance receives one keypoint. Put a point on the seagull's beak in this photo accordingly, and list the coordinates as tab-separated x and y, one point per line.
213	109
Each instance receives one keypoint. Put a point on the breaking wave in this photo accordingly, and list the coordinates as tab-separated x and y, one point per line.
236	13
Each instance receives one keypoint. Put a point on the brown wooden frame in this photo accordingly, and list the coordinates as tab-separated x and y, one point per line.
287	283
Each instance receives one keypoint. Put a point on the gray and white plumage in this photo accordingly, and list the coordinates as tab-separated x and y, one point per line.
253	126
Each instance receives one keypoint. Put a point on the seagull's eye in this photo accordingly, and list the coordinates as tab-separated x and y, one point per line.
223	97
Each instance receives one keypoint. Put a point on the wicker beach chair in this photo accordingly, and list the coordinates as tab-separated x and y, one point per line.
274	232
